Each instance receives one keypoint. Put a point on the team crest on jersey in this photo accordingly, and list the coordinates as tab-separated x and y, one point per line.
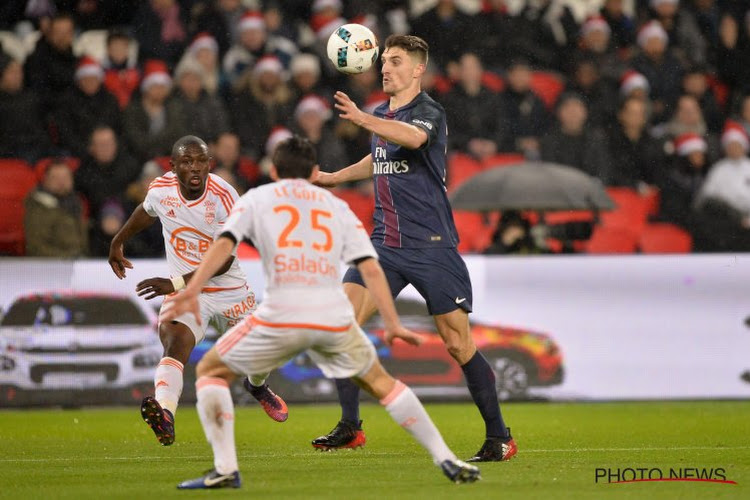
210	215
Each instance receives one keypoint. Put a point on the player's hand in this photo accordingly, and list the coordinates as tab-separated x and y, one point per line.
402	333
154	287
324	179
117	261
177	305
349	110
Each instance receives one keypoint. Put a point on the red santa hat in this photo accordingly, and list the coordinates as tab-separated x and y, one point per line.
203	40
656	3
734	132
319	5
633	80
251	20
650	30
277	135
155	72
324	25
268	63
689	143
88	66
375	99
315	104
595	23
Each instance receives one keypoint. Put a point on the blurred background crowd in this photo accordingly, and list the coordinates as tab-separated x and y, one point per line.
652	97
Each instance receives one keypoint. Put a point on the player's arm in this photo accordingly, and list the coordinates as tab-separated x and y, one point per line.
354	172
154	287
402	133
374	278
215	257
137	222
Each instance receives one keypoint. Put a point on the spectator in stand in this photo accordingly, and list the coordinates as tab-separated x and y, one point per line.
443	26
634	84
121	76
471	109
305	77
635	156
205	114
54	221
684	35
695	83
160	28
621	25
660	66
522	116
277	135
707	14
226	153
85	106
734	49
263	101
680	180
599	94
50	68
744	113
105	171
254	44
107	223
22	133
205	51
152	123
688	118
311	116
723	205
220	19
513	236
491	27
150	241
594	44
572	142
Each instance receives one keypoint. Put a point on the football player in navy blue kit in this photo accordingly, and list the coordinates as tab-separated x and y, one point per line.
414	234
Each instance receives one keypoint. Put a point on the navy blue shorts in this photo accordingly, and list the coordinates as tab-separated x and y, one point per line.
439	275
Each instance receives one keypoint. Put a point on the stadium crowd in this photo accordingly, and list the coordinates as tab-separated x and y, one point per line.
650	96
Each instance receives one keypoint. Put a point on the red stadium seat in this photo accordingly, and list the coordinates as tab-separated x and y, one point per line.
363	206
460	167
473	233
547	86
163	162
665	238
493	81
502	160
606	240
17	178
41	165
632	209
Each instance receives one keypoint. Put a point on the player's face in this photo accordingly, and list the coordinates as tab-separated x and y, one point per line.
191	167
399	70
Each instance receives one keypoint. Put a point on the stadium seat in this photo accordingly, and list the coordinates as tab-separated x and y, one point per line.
247	252
719	89
606	240
163	162
460	167
41	165
248	170
547	86
91	43
502	160
473	233
13	46
493	81
363	206
664	238
632	209
17	178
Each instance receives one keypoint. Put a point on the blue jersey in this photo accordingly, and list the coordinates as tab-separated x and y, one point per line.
411	204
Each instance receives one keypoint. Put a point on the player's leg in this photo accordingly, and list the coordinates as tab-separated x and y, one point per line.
216	413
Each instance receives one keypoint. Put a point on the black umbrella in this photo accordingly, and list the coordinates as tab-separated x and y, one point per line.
532	186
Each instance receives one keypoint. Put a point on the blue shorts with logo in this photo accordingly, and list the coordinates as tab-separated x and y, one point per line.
439	275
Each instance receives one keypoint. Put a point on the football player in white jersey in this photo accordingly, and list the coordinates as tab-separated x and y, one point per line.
304	234
192	205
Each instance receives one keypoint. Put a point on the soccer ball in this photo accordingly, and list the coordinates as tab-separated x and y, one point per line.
352	48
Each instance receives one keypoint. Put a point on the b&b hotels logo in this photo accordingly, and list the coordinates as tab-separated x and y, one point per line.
619	475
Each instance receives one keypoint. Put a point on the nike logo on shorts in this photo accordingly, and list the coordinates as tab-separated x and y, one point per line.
459	301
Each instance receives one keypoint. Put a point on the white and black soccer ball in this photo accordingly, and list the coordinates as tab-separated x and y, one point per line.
352	48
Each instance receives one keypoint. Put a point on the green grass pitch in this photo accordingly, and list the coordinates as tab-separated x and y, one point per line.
110	453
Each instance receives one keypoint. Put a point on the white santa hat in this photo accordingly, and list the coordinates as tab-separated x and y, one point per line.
204	41
277	135
734	132
595	23
689	143
304	62
251	20
319	5
315	104
155	72
88	66
652	29
268	63
655	3
633	80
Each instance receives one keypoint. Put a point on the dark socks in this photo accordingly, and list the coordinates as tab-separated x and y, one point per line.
348	399
480	380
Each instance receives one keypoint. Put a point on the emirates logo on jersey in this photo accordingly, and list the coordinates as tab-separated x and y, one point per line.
210	214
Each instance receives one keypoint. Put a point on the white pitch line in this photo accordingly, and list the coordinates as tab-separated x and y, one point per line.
369	453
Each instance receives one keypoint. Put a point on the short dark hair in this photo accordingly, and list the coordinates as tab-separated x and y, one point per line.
117	34
188	140
294	158
411	44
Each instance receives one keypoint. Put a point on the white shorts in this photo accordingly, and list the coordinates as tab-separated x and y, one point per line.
223	309
255	347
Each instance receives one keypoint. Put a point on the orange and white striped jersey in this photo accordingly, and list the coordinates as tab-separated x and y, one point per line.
303	234
190	226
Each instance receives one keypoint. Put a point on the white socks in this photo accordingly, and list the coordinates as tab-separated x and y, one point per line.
168	383
408	412
216	412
